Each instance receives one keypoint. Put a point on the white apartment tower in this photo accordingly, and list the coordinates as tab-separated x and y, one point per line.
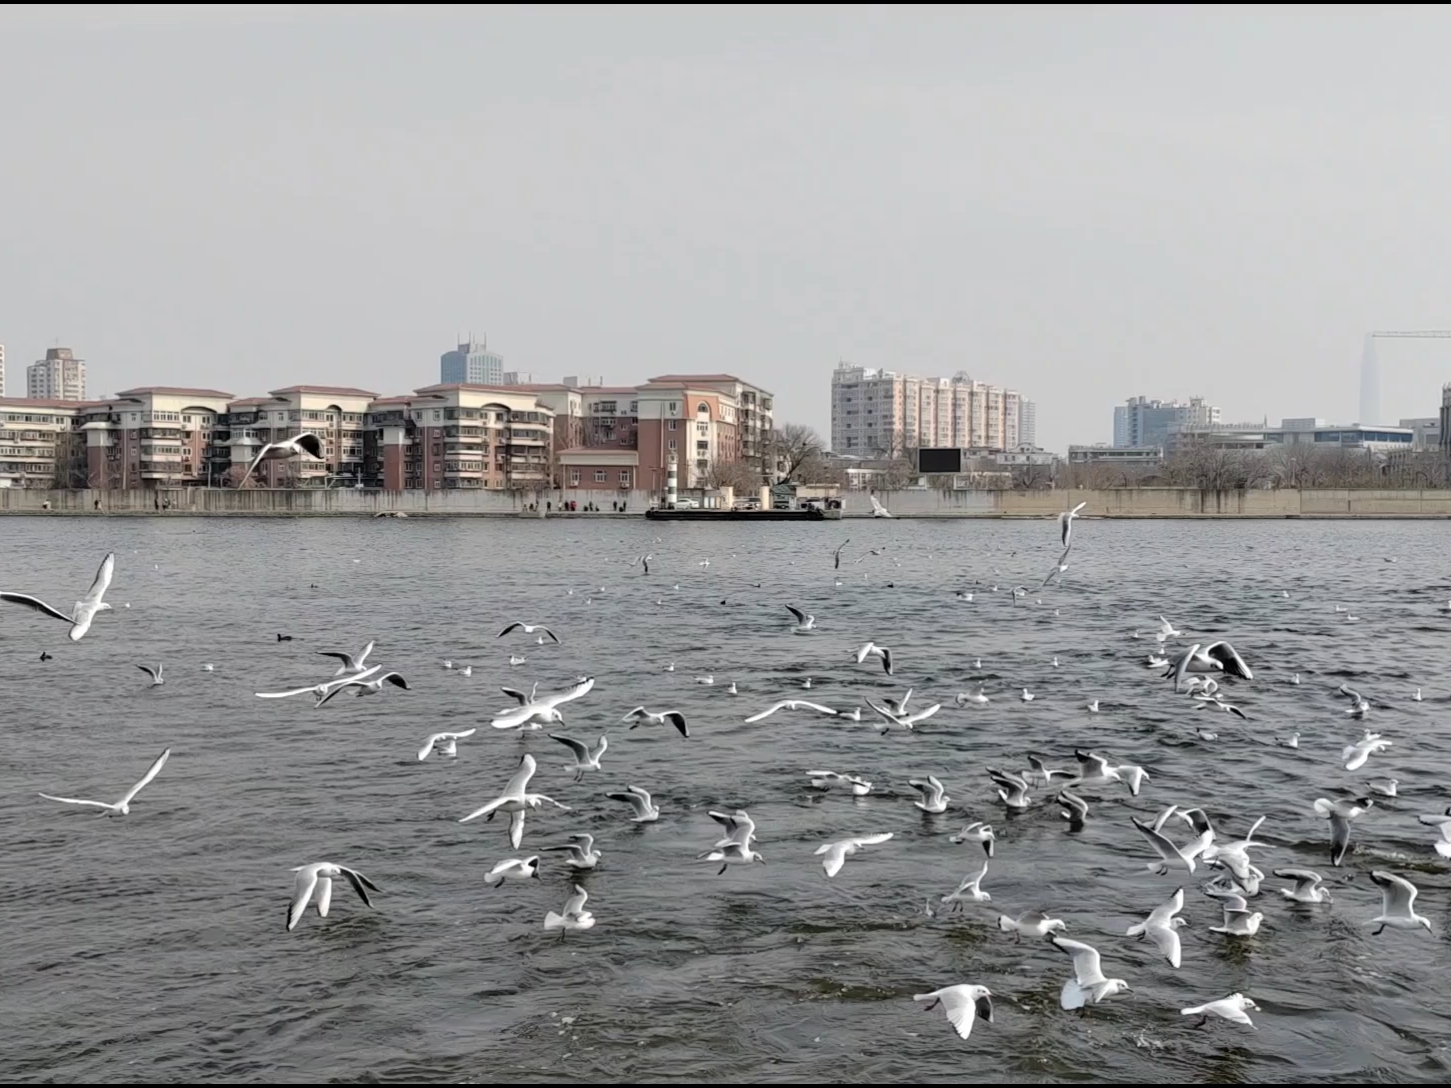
59	376
880	413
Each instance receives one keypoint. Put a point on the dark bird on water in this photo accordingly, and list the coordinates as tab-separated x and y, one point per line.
284	638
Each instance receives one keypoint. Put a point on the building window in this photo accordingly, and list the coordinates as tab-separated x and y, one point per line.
672	443
599	475
672	424
574	477
624	477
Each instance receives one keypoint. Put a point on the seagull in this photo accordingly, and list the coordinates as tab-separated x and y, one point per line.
644	560
1292	741
1417	697
706	680
1158	662
897	717
1340	813
1028	696
824	780
1075	809
791	704
515	800
836	564
979	697
1162	927
878	651
1171	856
1166	630
804	622
673	717
155	674
1088	985
962	1004
365	685
1398	904
353	664
1041	774
515	868
977	832
1441	823
1065	523
1011	788
319	877
528	629
1307	887
574	916
445	743
1386	787
1230	1008
295	446
581	849
1093	707
970	888
319	689
85	609
517	659
739	825
544	710
1238	921
837	852
1358	705
1356	754
732	853
934	796
123	806
1032	923
1216	657
646	811
584	758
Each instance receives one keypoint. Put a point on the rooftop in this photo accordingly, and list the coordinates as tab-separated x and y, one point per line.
469	387
27	402
173	391
699	378
326	390
250	402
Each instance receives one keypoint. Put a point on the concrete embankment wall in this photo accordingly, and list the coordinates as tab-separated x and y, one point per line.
1144	502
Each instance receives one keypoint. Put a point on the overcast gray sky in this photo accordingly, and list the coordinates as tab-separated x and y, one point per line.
1083	204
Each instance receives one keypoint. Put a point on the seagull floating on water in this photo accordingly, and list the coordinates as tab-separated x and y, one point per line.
804	623
824	780
1308	886
574	917
934	795
581	850
155	674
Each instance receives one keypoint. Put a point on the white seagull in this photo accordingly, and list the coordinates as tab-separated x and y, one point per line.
1238	921
282	451
1441	823
1065	522
837	852
977	832
1356	754
445	743
364	685
1215	657
513	869
673	717
1231	1008
85	609
1166	630
352	663
585	758
646	811
515	800
155	674
1088	986
963	1005
1307	887
970	888
581	850
732	853
1340	813
123	806
1398	904
741	829
319	689
934	795
1162	927
319	877
528	629
872	649
544	711
1171	856
791	704
900	717
804	622
1032	923
824	780
574	917
1359	706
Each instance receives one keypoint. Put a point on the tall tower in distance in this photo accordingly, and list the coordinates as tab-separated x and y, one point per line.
59	376
471	363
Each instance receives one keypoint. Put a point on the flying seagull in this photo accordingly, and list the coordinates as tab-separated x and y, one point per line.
123	806
528	629
319	877
1065	524
444	743
872	649
281	451
319	690
962	1004
837	558
365	685
640	714
350	663
542	709
85	609
155	674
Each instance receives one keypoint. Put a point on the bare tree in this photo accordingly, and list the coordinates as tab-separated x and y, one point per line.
1032	477
738	475
793	446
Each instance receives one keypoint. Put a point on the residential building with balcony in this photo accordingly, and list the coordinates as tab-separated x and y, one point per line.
40	445
883	414
155	436
336	414
753	415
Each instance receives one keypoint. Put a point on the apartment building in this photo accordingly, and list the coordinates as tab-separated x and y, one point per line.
154	436
59	376
336	414
881	413
1140	422
40	445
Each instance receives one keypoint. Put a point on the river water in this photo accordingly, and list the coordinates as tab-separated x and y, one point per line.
152	948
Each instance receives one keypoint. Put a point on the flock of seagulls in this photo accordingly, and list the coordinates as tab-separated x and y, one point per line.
1181	842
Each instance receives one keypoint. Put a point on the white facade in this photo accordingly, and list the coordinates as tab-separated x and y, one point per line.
59	376
880	413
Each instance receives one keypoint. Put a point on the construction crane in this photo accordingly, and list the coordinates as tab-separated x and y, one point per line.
1370	369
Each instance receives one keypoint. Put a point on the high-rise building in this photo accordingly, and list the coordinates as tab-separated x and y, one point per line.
1027	423
1140	422
59	376
471	364
880	413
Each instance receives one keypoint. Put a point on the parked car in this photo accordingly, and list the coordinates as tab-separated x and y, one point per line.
686	504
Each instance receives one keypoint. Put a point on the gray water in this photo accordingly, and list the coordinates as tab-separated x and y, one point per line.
152	947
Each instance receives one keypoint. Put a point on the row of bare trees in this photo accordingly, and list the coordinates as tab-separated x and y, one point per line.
1213	469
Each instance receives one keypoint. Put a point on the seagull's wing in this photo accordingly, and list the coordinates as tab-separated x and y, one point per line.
309	443
1180	665
800	615
360	884
1086	964
512	627
1076	510
285	694
524	699
886	660
75	801
346	659
396	679
1159	841
1161	914
1226	655
510	719
870	840
103	581
861	654
581	689
151	773
802	704
1091	764
358	661
427	749
263	452
1347	690
677	719
1166	940
768	712
460	736
575	903
302	888
148	670
1398	895
835	856
36	603
520	780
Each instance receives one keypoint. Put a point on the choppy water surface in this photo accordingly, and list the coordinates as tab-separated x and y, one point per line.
152	947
